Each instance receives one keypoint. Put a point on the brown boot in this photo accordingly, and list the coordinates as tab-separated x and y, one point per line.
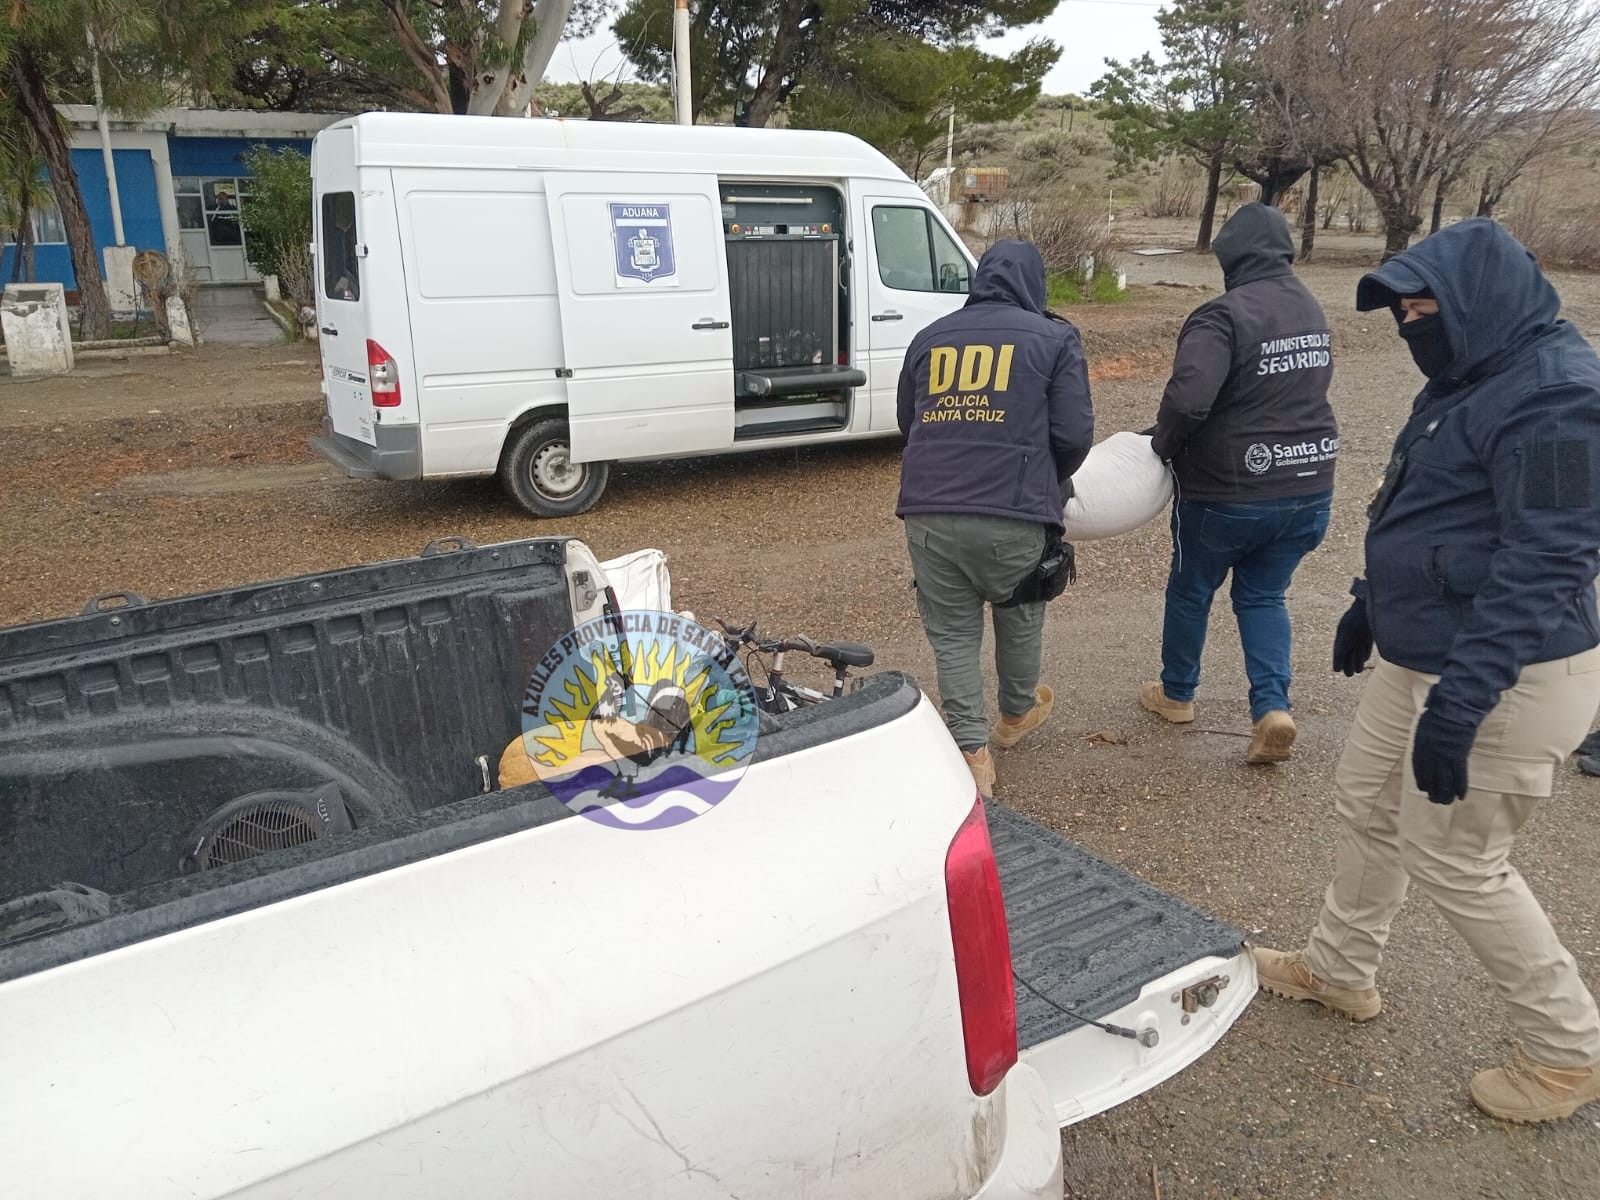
1525	1091
1288	976
981	764
1272	738
1154	697
1011	730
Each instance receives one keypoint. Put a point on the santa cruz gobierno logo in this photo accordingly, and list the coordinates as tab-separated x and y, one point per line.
640	720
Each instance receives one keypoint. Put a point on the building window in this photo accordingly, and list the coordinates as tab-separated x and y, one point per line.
45	218
222	195
191	208
211	204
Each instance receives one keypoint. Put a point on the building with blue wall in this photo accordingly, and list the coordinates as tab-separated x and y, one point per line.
180	177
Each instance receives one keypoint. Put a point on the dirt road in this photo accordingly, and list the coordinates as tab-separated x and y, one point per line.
217	488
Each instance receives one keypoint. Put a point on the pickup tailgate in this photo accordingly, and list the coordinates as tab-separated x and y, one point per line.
1089	940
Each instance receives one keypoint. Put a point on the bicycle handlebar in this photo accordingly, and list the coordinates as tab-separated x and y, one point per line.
852	654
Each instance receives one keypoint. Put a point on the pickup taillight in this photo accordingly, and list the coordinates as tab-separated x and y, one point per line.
983	953
384	375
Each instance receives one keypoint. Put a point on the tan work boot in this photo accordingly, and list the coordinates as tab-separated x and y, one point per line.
1525	1091
1272	738
981	764
1154	697
1008	731
1288	976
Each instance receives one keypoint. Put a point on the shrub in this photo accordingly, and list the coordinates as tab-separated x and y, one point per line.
1031	176
1086	144
1557	237
1068	228
1046	147
277	219
1175	192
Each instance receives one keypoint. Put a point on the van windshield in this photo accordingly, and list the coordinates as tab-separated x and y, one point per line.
341	268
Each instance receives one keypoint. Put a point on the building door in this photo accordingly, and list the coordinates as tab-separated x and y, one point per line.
213	236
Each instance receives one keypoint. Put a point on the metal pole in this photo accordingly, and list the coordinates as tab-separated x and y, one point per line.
105	139
950	142
680	47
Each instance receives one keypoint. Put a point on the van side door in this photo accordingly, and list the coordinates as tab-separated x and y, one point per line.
915	271
646	323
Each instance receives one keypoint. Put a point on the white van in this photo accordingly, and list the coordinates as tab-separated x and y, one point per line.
540	298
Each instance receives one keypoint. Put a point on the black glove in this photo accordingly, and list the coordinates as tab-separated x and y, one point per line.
1352	643
1439	757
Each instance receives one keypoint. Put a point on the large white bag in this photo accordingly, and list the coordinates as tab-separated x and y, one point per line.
1120	486
641	580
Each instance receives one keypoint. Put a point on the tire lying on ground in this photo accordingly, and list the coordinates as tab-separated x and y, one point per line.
1120	486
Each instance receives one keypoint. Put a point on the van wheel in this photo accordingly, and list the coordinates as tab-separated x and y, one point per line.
539	472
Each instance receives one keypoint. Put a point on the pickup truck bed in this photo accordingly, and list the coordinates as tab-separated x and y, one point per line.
1086	936
388	691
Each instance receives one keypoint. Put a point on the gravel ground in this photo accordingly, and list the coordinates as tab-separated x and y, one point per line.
216	488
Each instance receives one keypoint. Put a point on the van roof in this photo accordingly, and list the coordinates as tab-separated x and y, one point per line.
436	140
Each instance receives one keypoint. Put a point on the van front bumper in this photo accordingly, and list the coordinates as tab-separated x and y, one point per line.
398	454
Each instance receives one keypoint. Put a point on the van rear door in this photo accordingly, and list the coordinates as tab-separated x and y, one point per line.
341	314
646	323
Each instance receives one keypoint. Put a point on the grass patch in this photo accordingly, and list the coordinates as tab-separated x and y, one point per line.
1069	289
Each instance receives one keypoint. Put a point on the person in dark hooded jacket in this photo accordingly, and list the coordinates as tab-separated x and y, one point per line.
1482	547
994	403
1246	424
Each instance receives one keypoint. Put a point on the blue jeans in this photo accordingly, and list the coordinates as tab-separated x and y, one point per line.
1261	543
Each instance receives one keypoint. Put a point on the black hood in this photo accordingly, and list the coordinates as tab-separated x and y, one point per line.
1255	243
1493	299
1010	272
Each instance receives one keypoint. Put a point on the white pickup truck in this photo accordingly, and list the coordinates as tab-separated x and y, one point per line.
268	928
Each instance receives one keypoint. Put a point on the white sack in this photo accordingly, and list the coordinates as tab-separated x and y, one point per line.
1120	486
641	580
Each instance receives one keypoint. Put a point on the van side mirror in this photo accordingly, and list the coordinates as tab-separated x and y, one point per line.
952	278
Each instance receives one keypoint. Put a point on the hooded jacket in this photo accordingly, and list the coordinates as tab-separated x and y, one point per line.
994	400
1484	540
1245	414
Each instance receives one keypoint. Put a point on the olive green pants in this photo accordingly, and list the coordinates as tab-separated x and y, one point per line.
1391	835
962	562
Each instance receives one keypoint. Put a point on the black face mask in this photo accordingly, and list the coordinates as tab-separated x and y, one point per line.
1429	344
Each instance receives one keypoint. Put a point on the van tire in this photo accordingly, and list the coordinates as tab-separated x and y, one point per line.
539	475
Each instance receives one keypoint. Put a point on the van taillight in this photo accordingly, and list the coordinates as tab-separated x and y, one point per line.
384	375
983	953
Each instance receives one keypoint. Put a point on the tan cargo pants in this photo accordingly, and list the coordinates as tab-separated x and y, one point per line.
1390	833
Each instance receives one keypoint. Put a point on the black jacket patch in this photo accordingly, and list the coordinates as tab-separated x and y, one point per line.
1557	475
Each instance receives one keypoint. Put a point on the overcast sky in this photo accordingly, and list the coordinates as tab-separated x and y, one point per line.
1088	32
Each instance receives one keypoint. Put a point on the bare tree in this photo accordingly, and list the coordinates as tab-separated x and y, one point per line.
1414	89
1295	133
1537	135
606	107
